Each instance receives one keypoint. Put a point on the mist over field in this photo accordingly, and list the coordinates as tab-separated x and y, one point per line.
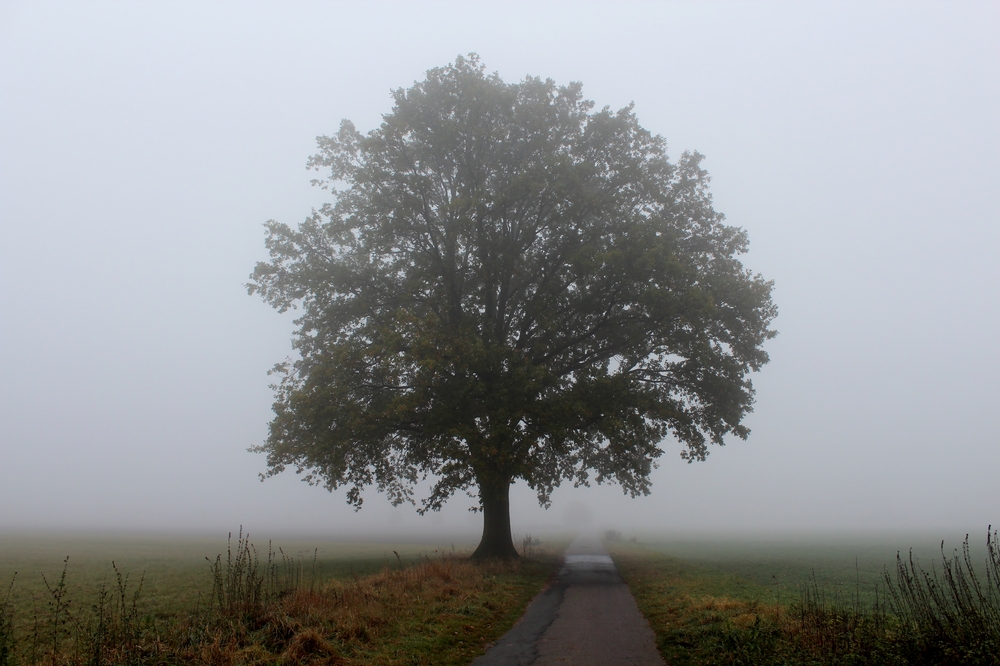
142	147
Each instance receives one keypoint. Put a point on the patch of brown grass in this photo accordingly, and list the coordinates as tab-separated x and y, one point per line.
442	611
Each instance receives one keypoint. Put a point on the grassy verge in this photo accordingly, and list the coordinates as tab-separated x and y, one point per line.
268	608
442	611
692	609
704	615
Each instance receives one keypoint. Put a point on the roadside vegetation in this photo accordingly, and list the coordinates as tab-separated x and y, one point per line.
266	607
947	613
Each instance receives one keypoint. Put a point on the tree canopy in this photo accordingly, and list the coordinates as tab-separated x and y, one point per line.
508	285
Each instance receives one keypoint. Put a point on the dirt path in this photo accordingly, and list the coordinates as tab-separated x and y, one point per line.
585	617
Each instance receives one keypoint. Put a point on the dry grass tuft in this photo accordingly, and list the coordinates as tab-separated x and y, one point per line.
359	611
310	647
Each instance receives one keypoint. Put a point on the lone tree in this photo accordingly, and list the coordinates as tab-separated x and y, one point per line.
507	286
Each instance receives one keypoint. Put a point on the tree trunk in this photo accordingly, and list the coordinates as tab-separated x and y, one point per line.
496	541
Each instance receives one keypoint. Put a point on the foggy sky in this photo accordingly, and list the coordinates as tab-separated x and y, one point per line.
142	146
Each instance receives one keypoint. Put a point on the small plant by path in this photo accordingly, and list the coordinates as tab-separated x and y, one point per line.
58	605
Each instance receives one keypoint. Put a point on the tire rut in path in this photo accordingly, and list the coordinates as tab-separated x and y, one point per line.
586	617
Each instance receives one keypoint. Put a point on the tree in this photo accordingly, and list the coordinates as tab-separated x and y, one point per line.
508	285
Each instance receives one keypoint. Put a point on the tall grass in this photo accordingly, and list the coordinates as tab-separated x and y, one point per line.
58	604
951	614
244	586
114	632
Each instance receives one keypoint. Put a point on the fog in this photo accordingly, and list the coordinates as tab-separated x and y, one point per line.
142	146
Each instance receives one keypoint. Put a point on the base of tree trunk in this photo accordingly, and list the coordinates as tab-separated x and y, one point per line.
496	550
496	542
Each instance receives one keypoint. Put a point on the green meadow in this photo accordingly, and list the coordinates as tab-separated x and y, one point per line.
842	566
817	599
175	570
115	599
710	599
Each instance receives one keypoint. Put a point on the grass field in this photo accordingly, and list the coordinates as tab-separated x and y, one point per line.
337	602
731	600
175	567
843	566
710	600
173	570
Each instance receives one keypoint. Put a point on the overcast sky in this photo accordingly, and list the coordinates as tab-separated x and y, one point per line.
142	146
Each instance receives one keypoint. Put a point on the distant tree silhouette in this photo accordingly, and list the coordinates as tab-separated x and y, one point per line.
507	286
